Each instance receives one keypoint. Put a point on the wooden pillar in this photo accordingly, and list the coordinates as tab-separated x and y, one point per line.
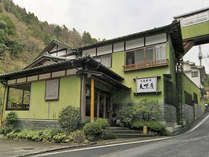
111	108
105	105
98	104
92	100
83	98
4	102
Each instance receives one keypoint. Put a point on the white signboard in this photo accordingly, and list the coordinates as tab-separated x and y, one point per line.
146	85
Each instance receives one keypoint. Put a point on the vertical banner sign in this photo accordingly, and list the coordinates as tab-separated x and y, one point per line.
146	85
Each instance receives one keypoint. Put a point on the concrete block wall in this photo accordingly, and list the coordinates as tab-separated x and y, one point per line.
170	115
187	114
37	124
198	111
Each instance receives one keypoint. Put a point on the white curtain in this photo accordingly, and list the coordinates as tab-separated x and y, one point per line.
160	52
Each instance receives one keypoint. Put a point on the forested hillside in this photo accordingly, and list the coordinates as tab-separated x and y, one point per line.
23	36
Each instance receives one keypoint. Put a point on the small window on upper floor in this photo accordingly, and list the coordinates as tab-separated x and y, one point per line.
105	60
194	73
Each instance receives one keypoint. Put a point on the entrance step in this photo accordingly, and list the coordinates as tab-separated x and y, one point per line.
123	132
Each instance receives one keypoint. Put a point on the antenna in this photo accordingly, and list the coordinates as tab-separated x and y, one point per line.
200	55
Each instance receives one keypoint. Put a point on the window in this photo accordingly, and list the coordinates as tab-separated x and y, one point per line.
130	58
156	39
169	92
139	56
147	56
105	60
134	43
19	97
194	19
52	89
194	73
187	98
195	98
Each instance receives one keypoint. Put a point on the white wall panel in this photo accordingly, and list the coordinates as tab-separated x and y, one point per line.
118	47
89	52
104	50
131	44
155	39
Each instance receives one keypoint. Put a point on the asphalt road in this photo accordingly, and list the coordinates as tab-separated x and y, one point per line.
190	144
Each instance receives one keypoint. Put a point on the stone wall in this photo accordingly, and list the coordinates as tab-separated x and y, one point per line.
170	115
37	124
198	111
187	114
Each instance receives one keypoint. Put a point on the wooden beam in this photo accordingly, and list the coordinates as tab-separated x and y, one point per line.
92	100
98	104
105	106
83	98
111	108
4	102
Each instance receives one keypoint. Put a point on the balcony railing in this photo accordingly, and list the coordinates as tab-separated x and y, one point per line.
147	64
20	107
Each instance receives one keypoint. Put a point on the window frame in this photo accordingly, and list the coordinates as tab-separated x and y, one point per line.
145	51
194	74
110	54
58	92
22	100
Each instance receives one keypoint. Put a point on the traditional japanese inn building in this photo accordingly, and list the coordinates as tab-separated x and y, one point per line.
101	78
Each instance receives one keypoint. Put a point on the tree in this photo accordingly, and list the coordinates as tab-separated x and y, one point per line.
87	39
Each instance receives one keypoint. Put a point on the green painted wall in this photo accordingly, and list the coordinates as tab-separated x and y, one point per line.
121	97
189	87
69	94
195	30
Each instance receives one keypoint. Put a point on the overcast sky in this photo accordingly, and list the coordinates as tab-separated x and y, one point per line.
113	18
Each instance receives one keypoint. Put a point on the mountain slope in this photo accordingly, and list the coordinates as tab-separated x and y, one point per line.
23	36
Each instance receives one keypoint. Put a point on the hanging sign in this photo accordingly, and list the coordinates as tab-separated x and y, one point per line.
146	85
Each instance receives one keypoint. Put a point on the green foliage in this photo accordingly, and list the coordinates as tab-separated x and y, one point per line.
77	136
10	123
59	138
143	111
103	123
8	31
95	130
92	131
138	125
206	81
87	39
69	119
154	126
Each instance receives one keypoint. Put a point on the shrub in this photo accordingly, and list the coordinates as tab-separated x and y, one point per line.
59	138
154	126
103	123
10	123
138	125
95	130
92	131
69	119
143	111
77	136
157	127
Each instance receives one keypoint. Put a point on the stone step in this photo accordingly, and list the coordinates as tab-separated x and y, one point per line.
117	128
122	131
131	135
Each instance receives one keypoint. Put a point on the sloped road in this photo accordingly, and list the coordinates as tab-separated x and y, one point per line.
190	144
